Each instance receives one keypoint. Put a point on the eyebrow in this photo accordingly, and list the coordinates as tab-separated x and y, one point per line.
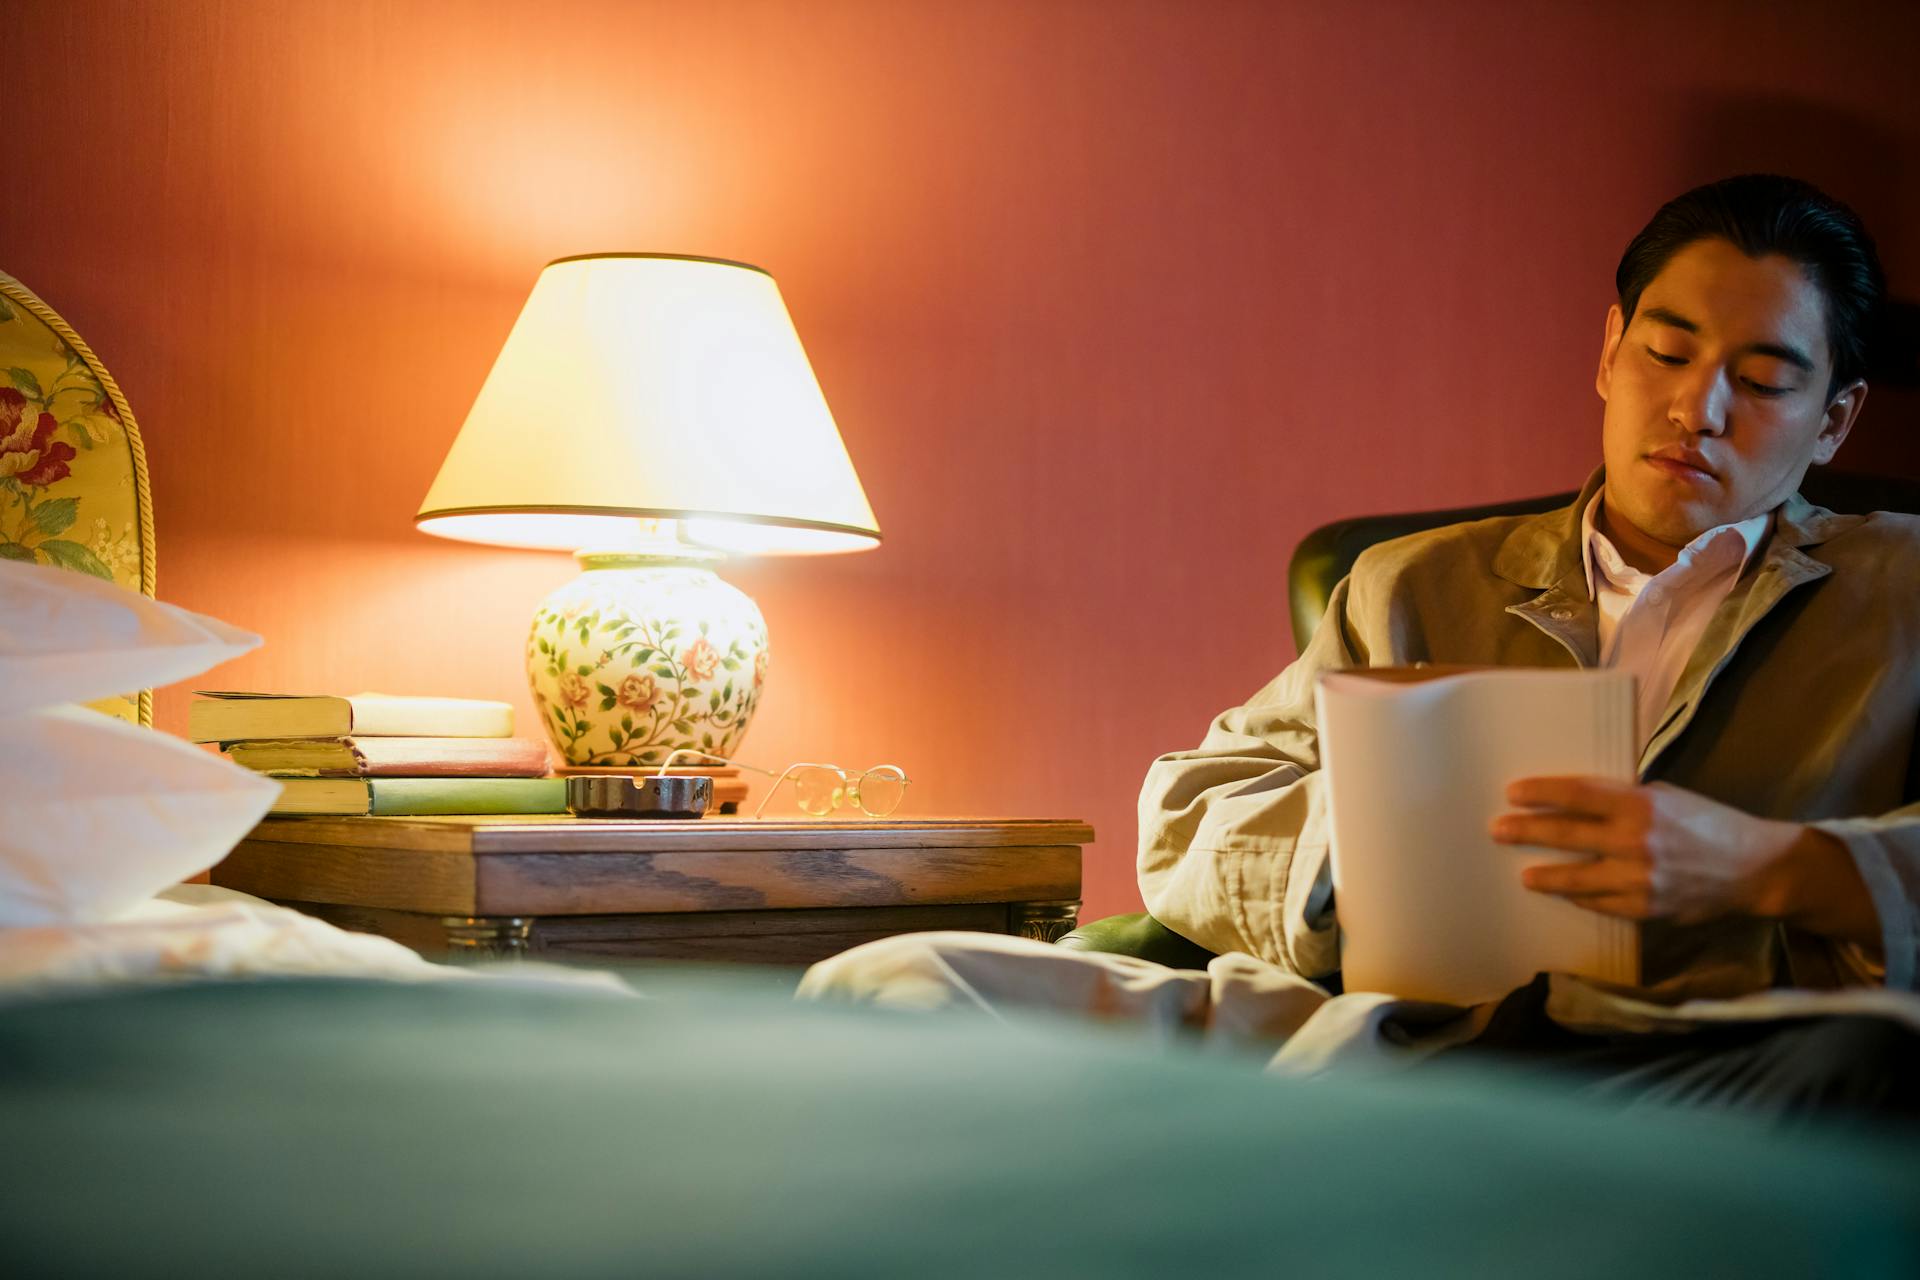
1672	319
1779	351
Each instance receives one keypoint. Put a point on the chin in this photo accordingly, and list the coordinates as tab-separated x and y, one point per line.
1679	535
1675	524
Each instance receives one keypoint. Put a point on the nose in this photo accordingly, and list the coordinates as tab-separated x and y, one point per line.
1700	401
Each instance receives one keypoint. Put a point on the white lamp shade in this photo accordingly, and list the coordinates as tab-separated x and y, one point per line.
652	387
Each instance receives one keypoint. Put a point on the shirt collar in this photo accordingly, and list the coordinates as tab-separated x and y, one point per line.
1716	547
1544	550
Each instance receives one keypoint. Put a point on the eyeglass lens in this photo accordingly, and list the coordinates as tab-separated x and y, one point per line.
820	791
880	790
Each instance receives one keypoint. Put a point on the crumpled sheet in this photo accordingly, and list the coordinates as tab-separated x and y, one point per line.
197	931
1240	1004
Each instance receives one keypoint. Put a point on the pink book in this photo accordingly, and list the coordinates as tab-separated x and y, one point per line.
358	757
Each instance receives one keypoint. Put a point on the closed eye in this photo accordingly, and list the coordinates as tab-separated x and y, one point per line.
1661	357
1765	389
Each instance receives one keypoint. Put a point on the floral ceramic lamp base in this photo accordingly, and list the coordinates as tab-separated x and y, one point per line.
642	655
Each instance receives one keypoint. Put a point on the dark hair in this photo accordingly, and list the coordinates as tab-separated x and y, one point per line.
1763	213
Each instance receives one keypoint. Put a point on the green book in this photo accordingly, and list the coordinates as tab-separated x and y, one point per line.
388	797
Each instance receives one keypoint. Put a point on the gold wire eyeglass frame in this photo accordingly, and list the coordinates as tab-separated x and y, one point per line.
848	792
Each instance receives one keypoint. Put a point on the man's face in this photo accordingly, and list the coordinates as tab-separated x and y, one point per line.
1717	393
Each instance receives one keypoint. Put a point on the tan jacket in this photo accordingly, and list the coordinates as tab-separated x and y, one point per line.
1801	702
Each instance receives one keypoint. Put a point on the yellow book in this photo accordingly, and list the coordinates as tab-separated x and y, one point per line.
221	716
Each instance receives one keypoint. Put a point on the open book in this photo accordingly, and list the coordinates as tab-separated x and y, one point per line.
1418	760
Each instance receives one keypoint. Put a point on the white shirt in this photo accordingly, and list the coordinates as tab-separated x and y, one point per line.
1650	623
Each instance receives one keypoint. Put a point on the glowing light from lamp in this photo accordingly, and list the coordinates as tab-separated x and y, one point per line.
651	387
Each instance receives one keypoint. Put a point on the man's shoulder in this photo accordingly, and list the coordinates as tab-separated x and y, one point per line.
1446	548
1886	528
1879	550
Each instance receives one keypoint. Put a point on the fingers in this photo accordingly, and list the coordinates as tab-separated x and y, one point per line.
1594	878
1572	832
1580	815
1628	906
1595	797
1607	820
1606	885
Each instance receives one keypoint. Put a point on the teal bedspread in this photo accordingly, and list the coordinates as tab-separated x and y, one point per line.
353	1128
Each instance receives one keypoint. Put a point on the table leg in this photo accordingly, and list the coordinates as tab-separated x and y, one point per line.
1043	921
488	937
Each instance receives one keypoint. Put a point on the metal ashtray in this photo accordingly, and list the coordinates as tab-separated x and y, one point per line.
620	795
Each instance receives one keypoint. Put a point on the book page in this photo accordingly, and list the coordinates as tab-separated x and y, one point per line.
389	715
1418	763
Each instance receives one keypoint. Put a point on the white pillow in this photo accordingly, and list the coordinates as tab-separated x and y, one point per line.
100	815
71	637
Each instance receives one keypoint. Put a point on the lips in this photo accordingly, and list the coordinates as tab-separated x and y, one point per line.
1682	462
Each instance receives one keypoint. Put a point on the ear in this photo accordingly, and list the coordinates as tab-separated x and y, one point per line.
1609	348
1837	421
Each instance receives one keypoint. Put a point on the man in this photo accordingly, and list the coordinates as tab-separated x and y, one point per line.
1773	837
1775	644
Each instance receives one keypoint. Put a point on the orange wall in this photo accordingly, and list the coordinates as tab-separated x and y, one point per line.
1113	302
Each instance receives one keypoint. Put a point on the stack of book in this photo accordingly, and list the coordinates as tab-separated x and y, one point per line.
381	755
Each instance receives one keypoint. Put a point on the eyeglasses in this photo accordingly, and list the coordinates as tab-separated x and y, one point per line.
819	789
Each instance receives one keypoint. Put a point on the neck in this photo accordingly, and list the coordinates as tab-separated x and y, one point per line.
1641	550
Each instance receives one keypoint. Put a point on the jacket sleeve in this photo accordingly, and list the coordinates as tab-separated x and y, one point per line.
1887	851
1233	835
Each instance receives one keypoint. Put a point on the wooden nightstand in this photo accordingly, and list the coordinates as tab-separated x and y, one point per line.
769	892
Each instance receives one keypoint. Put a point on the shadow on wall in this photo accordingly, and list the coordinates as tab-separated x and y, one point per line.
1860	160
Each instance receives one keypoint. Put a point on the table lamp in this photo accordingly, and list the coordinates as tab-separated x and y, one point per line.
651	413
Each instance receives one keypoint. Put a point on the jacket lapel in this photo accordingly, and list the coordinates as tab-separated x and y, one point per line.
1782	566
1566	615
1544	554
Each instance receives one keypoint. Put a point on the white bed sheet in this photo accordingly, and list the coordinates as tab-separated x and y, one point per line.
197	931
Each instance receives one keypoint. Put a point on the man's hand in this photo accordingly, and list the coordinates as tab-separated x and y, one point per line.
1662	853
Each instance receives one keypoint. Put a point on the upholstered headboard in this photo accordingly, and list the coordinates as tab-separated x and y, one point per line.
73	470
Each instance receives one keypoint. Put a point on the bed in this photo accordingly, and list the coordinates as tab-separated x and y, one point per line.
331	1127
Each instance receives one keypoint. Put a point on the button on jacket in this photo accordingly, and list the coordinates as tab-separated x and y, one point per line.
1800	702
